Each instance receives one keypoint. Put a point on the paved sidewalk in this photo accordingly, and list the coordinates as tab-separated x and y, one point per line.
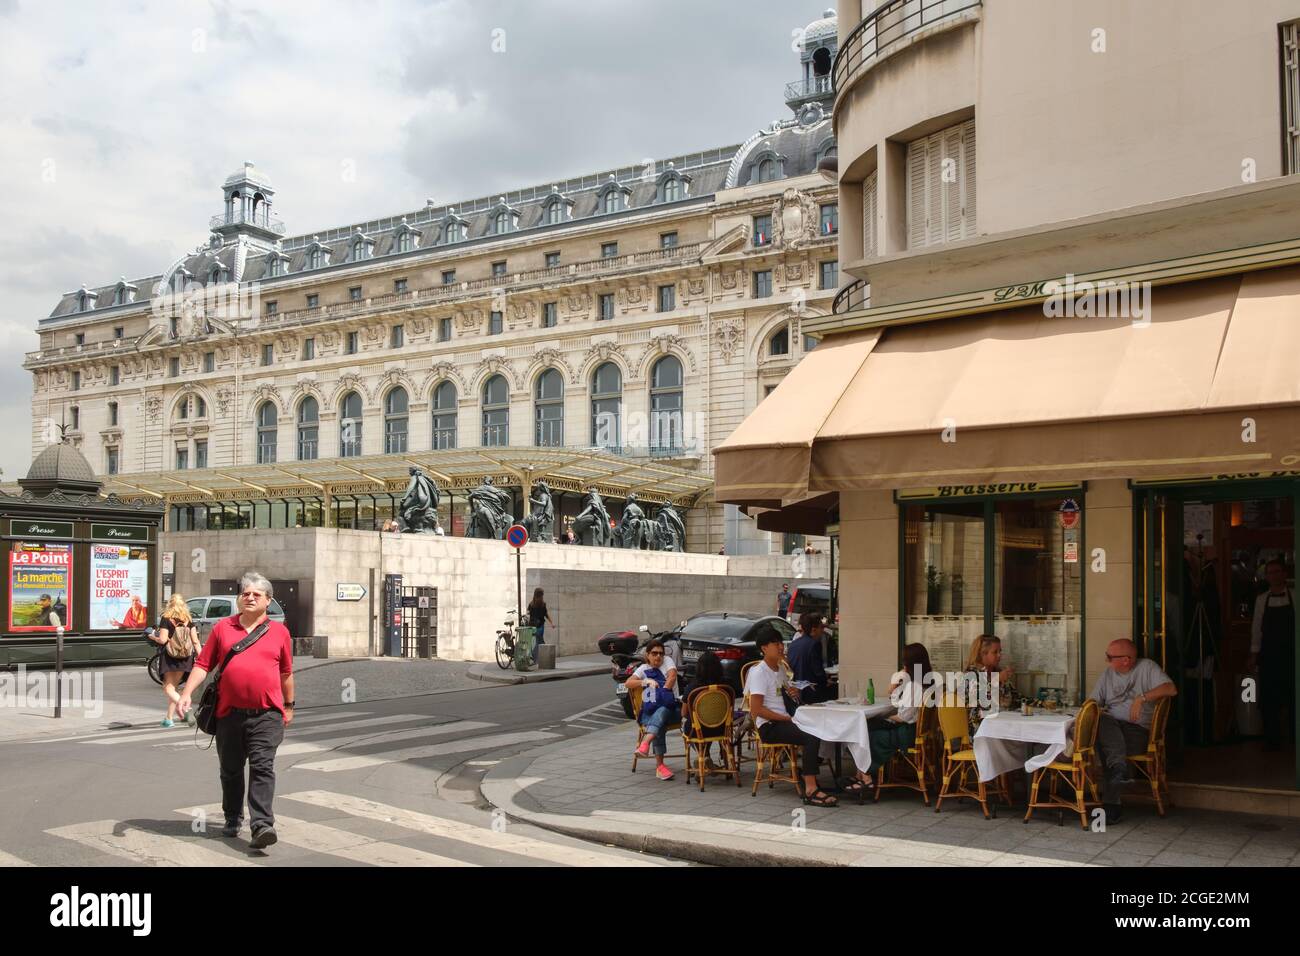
580	665
584	787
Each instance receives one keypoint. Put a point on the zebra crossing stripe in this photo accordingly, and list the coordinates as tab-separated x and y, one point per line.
333	743
466	832
145	847
152	731
360	761
8	859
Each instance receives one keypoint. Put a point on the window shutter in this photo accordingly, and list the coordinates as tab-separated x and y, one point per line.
869	244
952	164
968	179
916	194
934	189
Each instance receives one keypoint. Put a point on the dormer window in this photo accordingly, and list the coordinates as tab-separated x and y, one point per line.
124	292
502	218
672	185
405	238
358	250
613	196
215	275
179	278
318	255
275	267
361	247
454	228
555	208
86	299
404	241
768	166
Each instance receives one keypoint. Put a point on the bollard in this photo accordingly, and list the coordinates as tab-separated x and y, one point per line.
546	657
58	671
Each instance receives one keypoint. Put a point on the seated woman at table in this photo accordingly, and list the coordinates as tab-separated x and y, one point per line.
898	731
982	663
660	709
765	684
807	662
708	671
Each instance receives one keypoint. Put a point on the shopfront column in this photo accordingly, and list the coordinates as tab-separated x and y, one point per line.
1109	611
868	591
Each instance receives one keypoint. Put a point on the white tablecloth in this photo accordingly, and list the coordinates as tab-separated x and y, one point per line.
1008	740
845	723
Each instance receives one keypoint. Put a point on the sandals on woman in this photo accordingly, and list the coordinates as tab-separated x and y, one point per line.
820	798
857	785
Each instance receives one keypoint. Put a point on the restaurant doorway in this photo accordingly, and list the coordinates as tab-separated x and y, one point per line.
1203	555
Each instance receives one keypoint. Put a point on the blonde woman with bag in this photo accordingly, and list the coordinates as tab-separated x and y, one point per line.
179	637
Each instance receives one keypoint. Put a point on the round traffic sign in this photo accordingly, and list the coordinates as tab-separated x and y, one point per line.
517	535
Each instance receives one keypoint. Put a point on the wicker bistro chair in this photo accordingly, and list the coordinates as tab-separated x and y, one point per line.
711	722
913	769
743	726
1152	763
773	761
634	694
1074	772
960	773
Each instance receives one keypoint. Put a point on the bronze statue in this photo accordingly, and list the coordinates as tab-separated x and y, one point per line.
541	516
592	523
671	530
488	517
633	528
419	508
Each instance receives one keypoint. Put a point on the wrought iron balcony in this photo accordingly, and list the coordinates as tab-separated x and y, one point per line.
853	297
261	220
885	27
809	88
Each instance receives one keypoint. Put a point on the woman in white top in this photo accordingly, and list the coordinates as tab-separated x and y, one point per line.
898	731
764	685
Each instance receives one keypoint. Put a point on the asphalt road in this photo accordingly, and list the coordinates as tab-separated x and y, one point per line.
372	783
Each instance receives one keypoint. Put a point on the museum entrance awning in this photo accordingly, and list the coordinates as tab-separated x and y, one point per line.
1206	385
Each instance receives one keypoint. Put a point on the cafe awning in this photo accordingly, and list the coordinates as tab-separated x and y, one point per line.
1207	385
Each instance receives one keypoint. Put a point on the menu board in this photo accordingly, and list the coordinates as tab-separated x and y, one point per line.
40	586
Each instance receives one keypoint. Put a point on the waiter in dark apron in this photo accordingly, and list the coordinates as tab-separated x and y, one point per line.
1272	643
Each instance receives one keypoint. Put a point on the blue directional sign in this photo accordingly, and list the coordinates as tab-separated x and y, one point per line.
517	535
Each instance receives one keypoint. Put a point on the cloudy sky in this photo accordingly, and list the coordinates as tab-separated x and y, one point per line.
119	120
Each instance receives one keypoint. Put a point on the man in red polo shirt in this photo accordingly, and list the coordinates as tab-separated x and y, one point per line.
254	705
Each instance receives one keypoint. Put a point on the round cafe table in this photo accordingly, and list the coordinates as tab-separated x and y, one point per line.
1008	740
842	723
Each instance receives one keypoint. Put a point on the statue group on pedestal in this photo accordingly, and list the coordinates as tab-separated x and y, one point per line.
490	517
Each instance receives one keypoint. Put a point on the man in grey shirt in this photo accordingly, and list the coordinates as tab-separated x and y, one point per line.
1126	692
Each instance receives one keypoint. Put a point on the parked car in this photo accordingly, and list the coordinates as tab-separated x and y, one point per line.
207	609
730	635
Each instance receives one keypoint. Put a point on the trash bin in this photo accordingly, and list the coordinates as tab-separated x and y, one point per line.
523	648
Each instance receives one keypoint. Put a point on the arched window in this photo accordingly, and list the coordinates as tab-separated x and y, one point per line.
215	276
766	171
444	416
666	404
358	250
554	212
496	412
610	203
404	242
454	231
308	429
550	408
395	419
350	426
501	222
606	406
314	259
266	426
779	343
672	189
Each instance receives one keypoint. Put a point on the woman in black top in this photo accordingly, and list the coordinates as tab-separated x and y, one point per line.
708	671
174	669
538	618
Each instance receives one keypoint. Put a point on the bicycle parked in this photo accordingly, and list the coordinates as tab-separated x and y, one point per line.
506	642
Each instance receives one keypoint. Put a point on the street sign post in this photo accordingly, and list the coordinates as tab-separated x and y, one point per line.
517	537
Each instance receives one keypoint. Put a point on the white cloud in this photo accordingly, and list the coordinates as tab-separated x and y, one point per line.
118	122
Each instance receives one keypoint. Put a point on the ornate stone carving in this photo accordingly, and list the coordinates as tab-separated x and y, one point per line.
578	303
153	408
418	325
469	321
794	272
224	395
695	286
373	334
728	333
730	278
794	219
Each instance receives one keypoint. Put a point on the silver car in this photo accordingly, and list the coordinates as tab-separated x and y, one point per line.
207	609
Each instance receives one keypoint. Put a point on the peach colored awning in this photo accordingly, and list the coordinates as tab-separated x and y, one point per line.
1208	385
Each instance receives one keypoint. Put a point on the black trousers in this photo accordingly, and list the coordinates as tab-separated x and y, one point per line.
1116	739
785	732
248	737
1276	693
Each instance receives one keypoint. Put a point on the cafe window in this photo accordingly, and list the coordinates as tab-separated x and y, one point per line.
1007	566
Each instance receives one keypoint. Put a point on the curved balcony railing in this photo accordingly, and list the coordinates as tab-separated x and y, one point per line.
853	297
809	88
884	28
259	219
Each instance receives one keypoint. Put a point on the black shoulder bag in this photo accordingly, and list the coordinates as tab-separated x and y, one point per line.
205	715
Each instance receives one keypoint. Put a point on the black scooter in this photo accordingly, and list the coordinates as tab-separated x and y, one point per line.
626	651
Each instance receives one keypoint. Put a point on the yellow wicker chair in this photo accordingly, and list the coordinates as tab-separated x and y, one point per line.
960	774
744	727
1074	773
774	758
1152	763
634	694
915	765
710	710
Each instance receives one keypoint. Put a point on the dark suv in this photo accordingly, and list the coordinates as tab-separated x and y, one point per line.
730	635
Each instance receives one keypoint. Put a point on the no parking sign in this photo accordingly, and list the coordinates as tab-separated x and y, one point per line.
517	536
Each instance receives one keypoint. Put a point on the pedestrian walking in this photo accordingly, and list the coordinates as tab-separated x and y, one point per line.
783	601
254	705
538	618
179	639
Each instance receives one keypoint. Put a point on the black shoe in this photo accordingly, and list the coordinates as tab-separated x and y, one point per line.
1114	813
230	829
263	837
